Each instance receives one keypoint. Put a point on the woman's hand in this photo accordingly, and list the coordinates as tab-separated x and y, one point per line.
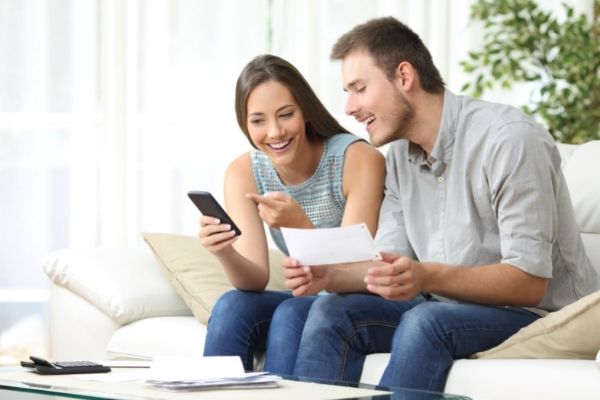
215	236
303	280
279	209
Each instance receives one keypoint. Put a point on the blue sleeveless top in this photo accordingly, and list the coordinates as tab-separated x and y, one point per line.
321	196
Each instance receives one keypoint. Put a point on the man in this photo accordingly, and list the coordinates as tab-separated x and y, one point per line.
477	225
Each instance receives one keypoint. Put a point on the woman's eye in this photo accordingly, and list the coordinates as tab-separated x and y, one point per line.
361	89
287	115
256	121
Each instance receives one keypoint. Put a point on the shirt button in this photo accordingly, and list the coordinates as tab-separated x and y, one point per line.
440	179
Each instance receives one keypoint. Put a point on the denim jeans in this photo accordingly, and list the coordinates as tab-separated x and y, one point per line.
240	325
423	336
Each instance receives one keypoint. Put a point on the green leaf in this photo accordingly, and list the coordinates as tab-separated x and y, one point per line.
558	54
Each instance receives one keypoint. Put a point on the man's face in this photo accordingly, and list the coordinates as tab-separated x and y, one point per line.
374	100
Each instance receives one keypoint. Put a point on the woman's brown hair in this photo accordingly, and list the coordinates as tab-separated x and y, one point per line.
319	122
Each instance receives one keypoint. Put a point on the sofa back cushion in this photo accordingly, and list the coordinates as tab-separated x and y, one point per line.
196	274
582	173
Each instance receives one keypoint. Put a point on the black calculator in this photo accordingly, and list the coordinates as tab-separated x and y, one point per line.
44	367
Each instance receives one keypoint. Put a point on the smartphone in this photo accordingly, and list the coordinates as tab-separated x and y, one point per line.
210	207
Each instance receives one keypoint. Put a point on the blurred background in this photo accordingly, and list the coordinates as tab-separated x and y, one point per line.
111	110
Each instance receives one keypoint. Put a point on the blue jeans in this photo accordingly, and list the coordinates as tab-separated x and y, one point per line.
423	336
240	325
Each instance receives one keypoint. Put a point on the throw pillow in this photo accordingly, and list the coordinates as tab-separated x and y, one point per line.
571	332
196	274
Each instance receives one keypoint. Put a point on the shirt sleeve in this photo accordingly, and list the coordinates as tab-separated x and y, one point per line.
523	169
391	232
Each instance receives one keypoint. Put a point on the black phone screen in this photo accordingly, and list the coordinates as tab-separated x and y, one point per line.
210	207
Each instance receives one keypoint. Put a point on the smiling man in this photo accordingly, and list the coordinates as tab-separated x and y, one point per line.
477	227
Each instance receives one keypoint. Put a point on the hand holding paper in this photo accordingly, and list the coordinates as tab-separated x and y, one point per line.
345	244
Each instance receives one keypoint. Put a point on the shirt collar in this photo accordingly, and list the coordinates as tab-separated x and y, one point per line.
442	149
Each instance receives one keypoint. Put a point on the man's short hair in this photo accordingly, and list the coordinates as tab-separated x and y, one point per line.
390	42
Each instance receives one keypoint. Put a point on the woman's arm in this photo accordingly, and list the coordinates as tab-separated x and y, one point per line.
363	183
244	258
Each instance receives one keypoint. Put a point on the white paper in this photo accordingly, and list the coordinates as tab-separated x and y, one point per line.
331	245
184	373
195	368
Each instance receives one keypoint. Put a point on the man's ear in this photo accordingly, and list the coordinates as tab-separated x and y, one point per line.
405	75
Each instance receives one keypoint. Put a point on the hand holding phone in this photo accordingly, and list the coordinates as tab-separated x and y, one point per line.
209	206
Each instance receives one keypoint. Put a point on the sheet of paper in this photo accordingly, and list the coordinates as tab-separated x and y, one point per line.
195	368
331	245
183	374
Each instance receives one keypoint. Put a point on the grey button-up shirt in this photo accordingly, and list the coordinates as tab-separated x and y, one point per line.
490	191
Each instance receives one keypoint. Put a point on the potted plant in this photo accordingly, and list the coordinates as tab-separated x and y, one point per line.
558	57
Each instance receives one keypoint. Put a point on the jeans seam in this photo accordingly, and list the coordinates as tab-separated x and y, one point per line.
351	334
248	341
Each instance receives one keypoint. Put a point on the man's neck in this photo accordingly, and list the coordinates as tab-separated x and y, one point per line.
427	119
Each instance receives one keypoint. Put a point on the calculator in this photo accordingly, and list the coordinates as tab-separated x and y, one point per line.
44	367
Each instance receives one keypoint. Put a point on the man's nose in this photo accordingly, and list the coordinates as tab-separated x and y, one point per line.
351	106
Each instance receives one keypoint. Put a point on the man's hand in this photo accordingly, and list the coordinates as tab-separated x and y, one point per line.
399	278
279	209
303	280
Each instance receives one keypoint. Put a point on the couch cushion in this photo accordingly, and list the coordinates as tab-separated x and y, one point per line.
103	277
582	172
161	336
571	332
196	274
524	379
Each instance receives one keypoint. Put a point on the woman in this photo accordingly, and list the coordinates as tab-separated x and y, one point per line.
305	172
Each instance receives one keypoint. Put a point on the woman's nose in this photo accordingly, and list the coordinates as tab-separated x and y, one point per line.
275	130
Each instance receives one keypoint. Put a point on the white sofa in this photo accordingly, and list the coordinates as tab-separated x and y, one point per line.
118	303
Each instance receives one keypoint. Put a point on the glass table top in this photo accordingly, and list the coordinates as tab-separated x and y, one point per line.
19	385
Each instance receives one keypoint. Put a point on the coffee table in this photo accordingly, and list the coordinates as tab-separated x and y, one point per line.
18	384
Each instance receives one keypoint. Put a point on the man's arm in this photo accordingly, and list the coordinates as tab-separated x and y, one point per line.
521	165
492	284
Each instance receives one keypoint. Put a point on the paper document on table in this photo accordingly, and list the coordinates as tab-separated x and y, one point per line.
183	373
331	245
189	368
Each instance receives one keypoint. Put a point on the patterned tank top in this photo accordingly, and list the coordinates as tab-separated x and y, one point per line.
321	196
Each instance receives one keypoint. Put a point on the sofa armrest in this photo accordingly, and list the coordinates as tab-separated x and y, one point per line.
78	330
125	284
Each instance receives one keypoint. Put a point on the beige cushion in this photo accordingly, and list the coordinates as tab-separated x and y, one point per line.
196	274
572	332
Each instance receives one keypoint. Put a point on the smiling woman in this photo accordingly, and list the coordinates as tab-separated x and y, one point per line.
306	172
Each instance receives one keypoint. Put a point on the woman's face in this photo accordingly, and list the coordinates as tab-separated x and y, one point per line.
276	123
